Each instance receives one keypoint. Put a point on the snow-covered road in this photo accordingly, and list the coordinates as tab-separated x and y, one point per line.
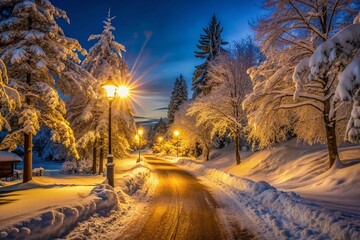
182	208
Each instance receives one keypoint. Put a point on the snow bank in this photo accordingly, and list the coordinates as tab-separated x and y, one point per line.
102	202
133	191
132	182
285	213
56	222
217	175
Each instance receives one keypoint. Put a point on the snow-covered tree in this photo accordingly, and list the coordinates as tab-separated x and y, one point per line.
41	61
338	59
9	98
194	137
221	109
210	46
88	115
159	130
288	34
178	96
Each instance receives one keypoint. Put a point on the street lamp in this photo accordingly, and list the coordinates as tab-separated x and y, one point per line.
176	133
160	139
140	133
112	90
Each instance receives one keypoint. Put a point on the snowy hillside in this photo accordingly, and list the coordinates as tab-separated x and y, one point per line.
274	214
300	168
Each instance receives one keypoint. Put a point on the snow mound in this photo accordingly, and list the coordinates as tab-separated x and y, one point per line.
286	214
218	175
57	222
260	187
135	180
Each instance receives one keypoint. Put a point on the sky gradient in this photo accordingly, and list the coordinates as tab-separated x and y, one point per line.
166	30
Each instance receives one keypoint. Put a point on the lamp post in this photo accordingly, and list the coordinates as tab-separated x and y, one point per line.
112	90
176	133
140	133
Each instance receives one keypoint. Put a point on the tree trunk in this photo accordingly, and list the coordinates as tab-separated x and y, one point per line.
94	158
101	162
330	127
27	175
207	154
237	152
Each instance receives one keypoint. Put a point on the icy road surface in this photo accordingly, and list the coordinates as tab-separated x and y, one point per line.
181	209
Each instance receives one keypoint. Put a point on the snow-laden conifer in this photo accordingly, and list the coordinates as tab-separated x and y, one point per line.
178	96
210	46
88	115
41	61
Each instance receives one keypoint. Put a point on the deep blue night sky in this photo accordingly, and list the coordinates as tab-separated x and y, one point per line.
174	26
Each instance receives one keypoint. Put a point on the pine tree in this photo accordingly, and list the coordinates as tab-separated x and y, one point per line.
178	96
88	115
41	61
159	130
210	46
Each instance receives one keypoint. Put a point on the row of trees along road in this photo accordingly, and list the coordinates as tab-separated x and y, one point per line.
294	80
41	62
290	32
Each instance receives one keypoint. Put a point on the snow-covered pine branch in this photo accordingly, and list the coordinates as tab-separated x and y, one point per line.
9	98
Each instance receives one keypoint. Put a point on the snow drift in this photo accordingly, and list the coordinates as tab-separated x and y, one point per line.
101	202
56	222
285	213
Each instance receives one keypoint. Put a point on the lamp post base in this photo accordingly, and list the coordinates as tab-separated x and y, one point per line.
110	170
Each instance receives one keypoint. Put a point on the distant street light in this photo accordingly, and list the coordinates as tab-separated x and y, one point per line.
140	133
176	133
112	90
160	139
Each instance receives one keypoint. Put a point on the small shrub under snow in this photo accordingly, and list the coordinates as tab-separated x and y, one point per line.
82	166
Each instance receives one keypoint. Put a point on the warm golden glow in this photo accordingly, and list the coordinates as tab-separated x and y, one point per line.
140	132
160	139
176	133
110	91
123	91
137	137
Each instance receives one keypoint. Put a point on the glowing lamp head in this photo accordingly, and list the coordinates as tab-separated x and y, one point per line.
176	133
123	91
140	132
110	88
160	139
